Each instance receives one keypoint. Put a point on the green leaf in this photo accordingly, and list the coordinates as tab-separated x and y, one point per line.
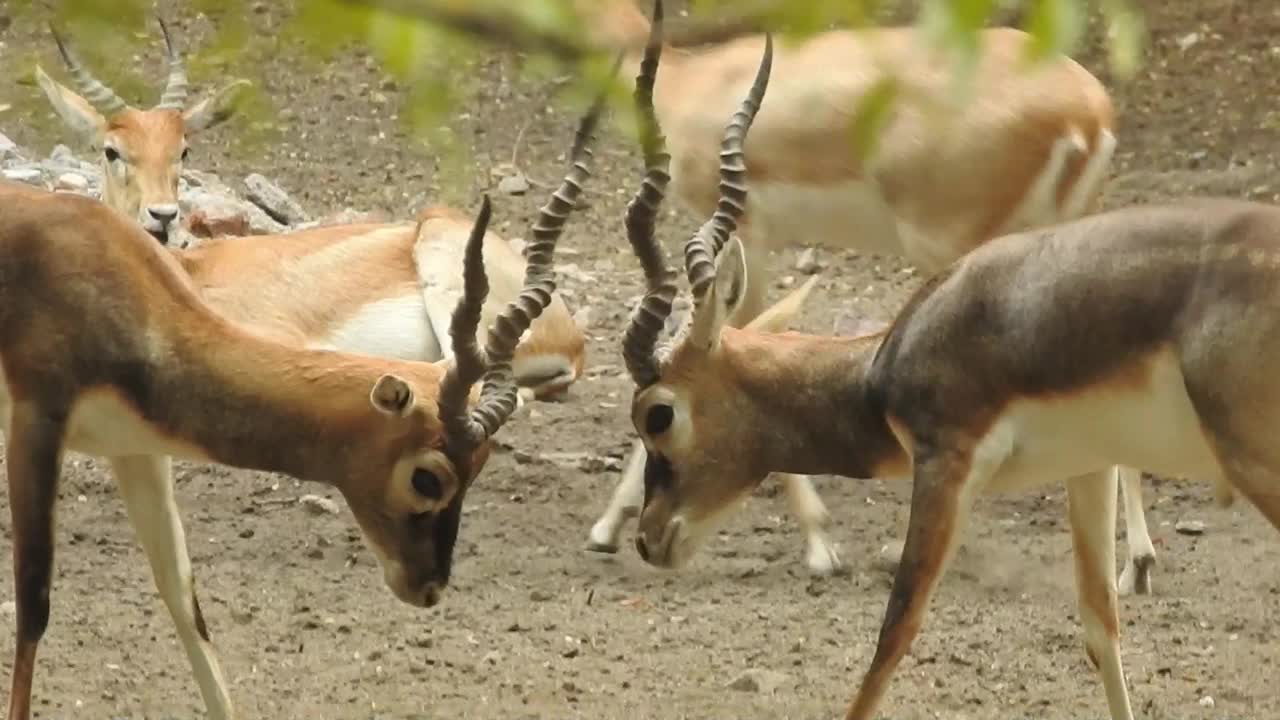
1056	26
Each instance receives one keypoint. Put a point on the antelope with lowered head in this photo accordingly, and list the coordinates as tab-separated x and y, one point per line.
1137	337
1030	147
108	349
383	289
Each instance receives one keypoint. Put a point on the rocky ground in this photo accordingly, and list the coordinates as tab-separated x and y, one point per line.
534	627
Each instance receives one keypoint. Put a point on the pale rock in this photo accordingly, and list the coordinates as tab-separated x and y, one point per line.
73	182
317	505
1189	527
275	201
807	262
25	174
514	184
63	154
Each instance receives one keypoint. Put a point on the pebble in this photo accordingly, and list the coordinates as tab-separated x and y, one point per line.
516	184
317	505
29	175
1189	527
807	262
74	182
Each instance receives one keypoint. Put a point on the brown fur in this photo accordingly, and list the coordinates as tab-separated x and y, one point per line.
954	173
1088	308
93	314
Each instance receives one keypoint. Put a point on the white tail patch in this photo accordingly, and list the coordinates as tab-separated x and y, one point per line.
396	327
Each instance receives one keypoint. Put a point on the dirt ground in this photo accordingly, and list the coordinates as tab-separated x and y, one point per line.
535	627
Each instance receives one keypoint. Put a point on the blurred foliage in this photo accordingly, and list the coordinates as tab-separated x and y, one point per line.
433	47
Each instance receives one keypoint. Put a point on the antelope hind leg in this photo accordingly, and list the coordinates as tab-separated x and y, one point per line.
1091	501
1136	576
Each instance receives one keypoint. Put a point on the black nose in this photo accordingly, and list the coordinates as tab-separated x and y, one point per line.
642	548
163	215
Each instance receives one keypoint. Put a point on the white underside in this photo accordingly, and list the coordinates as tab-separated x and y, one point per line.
1153	428
397	328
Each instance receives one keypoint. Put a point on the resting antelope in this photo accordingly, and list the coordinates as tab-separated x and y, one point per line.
1031	149
108	349
380	289
1138	337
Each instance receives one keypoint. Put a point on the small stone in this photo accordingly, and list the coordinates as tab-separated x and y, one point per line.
246	533
1188	41
275	201
317	505
1207	702
62	153
540	596
1189	527
765	681
208	214
72	182
515	184
807	262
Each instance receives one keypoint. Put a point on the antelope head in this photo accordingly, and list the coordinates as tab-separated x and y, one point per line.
142	151
413	531
693	470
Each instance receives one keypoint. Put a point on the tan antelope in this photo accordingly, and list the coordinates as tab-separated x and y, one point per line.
1031	148
107	348
1137	338
384	289
142	151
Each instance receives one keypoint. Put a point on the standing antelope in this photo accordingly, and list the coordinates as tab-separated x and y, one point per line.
107	348
380	289
1139	337
1031	147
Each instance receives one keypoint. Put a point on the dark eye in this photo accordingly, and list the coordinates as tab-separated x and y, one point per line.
658	419
186	152
427	484
112	154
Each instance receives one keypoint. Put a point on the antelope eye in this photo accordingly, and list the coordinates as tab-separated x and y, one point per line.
111	154
658	419
426	484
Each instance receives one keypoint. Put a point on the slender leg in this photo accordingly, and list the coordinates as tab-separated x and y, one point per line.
34	456
147	486
939	511
811	514
625	504
1136	577
1091	501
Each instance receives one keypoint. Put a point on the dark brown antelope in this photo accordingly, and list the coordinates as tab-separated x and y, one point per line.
1138	337
108	349
1031	148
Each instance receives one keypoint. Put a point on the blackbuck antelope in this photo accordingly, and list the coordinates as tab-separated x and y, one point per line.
108	349
383	289
1138	337
1032	147
142	151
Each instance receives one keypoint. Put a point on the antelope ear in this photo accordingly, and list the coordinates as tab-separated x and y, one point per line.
74	110
723	297
779	316
392	396
214	109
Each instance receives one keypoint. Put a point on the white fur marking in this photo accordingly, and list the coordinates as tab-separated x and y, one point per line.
396	328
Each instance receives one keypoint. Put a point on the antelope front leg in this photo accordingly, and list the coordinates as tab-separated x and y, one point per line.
939	509
625	504
812	515
34	457
1136	577
147	486
1091	501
